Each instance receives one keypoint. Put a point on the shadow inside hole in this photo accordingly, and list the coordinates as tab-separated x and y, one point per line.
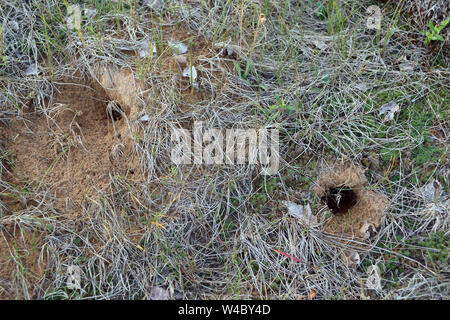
341	199
115	112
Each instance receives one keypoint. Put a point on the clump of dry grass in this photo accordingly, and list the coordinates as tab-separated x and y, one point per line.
317	73
424	11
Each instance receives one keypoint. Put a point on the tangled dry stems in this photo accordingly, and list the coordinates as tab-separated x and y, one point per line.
179	228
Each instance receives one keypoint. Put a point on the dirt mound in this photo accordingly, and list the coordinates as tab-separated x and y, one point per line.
357	211
83	138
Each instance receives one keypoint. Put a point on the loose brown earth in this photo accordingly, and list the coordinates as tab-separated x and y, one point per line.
72	152
74	149
366	208
17	249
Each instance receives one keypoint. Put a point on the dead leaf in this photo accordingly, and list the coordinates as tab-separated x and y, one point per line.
301	212
368	230
319	44
178	47
190	72
374	280
144	118
32	70
226	48
431	192
145	48
158	293
389	109
351	258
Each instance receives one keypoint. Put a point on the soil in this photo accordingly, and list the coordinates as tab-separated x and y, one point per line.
358	207
71	154
25	248
71	146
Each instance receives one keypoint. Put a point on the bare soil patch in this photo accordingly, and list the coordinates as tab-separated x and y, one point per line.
357	210
76	148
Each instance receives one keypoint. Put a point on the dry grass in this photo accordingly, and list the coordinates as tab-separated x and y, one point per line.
208	232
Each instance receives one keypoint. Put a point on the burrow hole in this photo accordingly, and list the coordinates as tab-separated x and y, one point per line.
340	199
114	111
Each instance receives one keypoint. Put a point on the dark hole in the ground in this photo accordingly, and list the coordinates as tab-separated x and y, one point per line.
341	199
115	112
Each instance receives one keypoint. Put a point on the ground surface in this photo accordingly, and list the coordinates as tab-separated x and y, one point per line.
86	178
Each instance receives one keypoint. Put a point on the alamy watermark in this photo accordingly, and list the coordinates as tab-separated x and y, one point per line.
207	147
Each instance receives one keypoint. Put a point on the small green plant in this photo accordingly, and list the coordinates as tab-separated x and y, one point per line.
3	57
248	68
273	111
321	11
426	154
434	31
